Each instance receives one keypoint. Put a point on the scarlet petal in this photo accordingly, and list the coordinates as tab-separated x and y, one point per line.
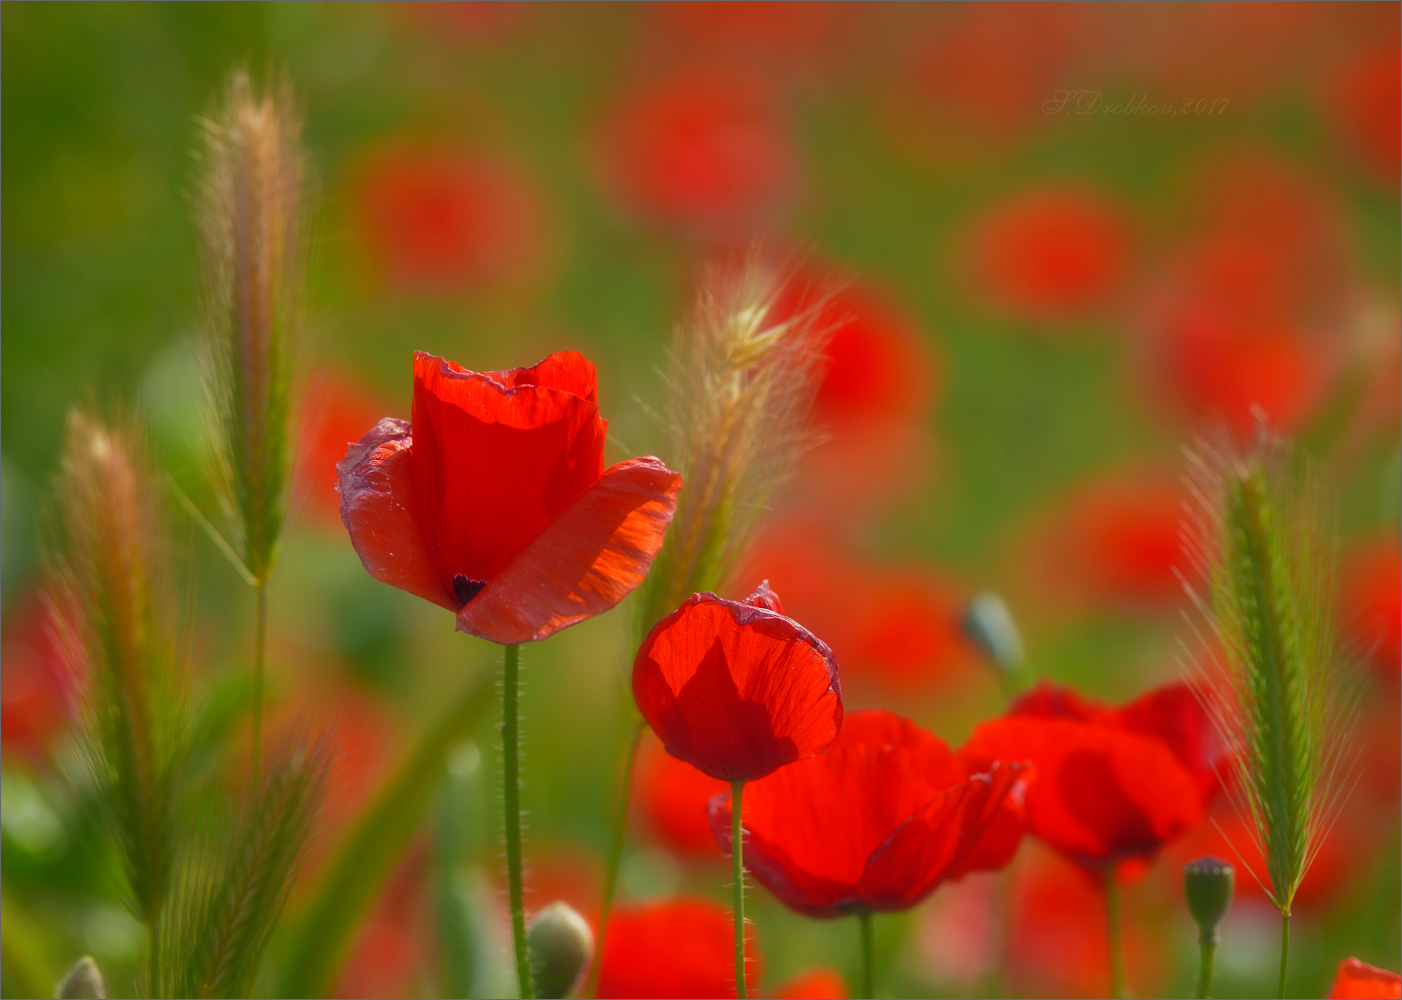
376	491
585	562
736	690
816	984
875	822
1100	795
938	842
1358	980
499	456
677	948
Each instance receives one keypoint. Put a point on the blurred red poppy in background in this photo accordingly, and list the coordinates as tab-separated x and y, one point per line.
1116	541
35	685
1364	105
1241	319
878	387
448	220
672	801
735	688
1052	254
676	948
392	949
495	503
894	628
819	984
1110	784
1370	603
703	153
1359	981
336	412
997	929
876	821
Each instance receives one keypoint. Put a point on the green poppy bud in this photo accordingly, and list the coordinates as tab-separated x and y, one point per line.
560	945
1208	883
989	623
83	982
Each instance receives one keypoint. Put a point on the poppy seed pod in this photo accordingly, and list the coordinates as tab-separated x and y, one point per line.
561	944
1208	884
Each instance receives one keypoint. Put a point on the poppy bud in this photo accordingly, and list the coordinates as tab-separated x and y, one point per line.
1208	883
989	623
560	944
83	982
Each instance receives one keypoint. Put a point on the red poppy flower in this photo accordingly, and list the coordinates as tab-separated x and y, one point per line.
495	503
36	685
448	220
1364	104
1242	320
703	153
1370	603
1118	541
817	984
1358	981
1069	956
337	412
1053	253
390	950
879	383
893	628
1112	784
672	800
676	948
876	821
735	688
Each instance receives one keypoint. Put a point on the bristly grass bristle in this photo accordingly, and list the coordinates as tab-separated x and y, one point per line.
254	253
112	597
1270	671
230	897
740	387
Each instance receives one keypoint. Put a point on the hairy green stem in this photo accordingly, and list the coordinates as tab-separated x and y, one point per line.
1207	952
1284	952
260	646
1112	933
511	791
868	955
737	869
617	837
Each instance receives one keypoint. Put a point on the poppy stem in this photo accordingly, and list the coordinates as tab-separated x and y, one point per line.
615	858
260	646
511	792
1207	948
737	865
1284	951
1112	928
868	954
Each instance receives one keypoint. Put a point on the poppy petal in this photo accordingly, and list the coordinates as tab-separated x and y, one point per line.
1100	795
377	508
499	457
737	690
585	562
943	840
1359	979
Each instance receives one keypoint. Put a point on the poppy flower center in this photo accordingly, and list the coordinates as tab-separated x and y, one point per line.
467	589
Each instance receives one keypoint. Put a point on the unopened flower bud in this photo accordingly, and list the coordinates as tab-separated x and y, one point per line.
560	945
83	982
1208	884
989	623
